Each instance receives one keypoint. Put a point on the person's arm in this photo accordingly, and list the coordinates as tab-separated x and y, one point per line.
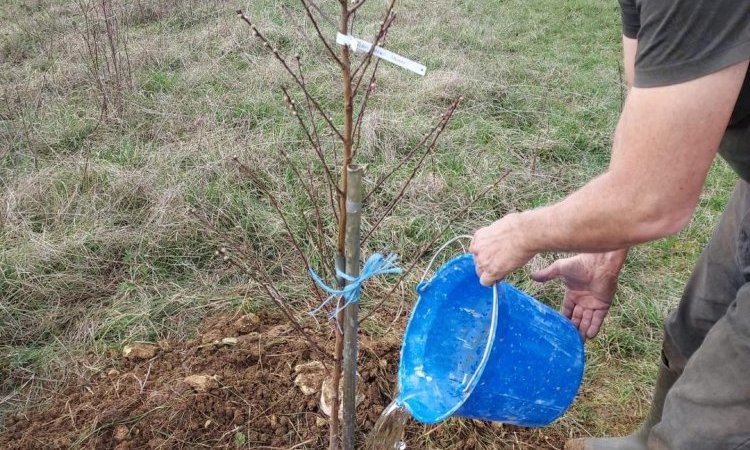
663	147
629	47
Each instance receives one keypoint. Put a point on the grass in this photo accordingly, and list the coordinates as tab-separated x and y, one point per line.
96	243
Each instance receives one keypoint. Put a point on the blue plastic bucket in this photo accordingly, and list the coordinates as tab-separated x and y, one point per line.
487	354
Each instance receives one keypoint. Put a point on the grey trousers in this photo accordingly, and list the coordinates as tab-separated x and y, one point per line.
707	342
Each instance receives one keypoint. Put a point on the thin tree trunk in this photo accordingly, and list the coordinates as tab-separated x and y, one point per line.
346	78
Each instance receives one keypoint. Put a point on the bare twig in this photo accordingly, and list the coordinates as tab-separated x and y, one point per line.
310	109
275	203
363	106
404	160
325	16
317	144
319	226
313	200
427	246
385	25
300	30
356	6
320	34
267	44
318	150
445	118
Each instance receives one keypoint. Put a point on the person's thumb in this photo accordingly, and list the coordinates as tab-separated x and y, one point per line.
548	273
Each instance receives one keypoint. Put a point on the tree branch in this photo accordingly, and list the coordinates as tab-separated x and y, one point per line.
363	106
406	184
267	44
259	184
385	25
320	34
438	125
292	106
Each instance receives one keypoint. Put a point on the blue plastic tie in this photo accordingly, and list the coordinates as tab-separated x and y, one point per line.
375	265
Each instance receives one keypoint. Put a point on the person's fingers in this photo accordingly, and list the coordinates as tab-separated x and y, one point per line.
596	323
548	273
577	316
583	328
567	305
486	279
478	269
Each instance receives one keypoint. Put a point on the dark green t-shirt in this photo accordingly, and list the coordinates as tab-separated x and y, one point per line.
680	40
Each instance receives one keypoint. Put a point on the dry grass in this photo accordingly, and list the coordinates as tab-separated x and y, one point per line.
96	243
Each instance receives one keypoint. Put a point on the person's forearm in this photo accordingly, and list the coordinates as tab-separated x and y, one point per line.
606	214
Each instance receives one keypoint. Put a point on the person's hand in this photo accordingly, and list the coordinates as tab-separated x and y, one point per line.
499	249
590	281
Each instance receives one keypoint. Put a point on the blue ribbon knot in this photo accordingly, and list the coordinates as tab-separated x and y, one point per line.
376	264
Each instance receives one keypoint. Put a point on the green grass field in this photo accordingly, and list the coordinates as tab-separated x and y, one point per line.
97	246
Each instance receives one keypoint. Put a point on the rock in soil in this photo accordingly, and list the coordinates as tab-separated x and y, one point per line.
139	351
247	323
326	396
202	383
309	377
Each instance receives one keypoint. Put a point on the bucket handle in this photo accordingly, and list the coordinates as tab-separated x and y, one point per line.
493	324
440	250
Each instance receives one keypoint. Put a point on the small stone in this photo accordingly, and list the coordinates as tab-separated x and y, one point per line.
278	330
207	424
113	373
309	377
120	433
326	396
320	421
247	323
139	351
202	383
249	338
308	383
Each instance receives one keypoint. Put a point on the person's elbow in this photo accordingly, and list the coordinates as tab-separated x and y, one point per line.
658	219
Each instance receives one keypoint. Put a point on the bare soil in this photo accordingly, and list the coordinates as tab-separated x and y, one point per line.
240	393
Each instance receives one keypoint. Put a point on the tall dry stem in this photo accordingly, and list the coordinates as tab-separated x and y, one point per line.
106	55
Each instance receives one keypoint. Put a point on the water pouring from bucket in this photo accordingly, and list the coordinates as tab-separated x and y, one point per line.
492	354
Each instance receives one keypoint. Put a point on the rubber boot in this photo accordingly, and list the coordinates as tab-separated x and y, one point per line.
639	438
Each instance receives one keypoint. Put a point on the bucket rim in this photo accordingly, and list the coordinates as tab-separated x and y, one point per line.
477	375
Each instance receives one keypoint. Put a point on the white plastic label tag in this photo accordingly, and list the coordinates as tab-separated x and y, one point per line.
359	46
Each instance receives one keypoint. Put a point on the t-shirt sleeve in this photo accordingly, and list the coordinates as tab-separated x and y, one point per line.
631	21
680	40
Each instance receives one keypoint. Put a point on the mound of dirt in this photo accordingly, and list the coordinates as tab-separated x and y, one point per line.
243	383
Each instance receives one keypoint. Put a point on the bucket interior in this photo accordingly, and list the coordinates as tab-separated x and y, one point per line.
446	340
